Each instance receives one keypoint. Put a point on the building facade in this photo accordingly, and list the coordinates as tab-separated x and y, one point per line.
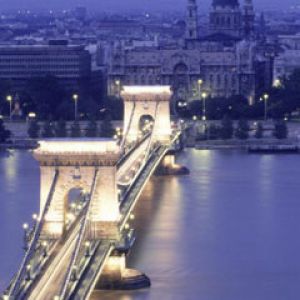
221	64
288	60
70	64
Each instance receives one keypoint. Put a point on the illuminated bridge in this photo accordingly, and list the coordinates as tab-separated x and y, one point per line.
73	249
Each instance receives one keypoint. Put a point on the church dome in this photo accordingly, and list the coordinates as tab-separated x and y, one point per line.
226	3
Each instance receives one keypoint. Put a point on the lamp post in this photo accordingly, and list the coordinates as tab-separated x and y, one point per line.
9	98
266	98
118	84
204	96
75	98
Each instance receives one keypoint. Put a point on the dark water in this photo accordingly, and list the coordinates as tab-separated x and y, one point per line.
229	231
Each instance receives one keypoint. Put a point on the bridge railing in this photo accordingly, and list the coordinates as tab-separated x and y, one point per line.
38	229
79	240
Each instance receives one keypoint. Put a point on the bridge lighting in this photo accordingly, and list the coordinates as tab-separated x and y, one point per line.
25	226
195	118
127	226
132	217
70	217
28	275
44	244
87	248
35	217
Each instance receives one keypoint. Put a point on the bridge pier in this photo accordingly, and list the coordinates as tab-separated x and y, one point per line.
168	166
115	275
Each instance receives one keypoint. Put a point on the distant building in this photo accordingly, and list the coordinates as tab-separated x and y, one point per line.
288	59
70	64
224	59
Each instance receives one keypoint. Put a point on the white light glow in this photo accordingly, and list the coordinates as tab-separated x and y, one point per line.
78	146
147	89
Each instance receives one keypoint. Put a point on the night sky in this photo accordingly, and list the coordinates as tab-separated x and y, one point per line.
126	5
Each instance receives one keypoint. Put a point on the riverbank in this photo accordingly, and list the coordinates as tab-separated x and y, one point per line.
245	144
20	144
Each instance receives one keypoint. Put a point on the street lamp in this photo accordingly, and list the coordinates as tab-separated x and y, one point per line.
266	98
118	84
200	82
204	96
75	98
9	98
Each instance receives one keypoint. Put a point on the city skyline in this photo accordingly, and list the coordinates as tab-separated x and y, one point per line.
133	5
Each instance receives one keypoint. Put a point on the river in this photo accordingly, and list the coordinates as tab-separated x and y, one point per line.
228	231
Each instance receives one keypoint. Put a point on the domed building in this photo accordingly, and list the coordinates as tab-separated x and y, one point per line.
224	59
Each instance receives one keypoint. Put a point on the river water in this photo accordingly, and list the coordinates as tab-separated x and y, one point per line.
228	231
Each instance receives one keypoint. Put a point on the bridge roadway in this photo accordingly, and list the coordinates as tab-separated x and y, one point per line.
49	283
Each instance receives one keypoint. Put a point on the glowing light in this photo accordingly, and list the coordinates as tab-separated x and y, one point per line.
70	217
32	115
9	98
204	118
266	96
156	89
35	217
200	81
75	97
127	226
132	217
195	118
44	244
25	226
87	244
204	95
82	146
277	83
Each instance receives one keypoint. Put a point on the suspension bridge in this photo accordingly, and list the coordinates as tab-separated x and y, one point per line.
71	250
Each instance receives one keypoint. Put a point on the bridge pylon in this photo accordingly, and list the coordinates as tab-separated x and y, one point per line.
77	161
150	103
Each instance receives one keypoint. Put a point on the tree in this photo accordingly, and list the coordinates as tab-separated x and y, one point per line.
48	130
60	129
75	130
34	129
43	95
92	129
107	129
4	133
280	130
259	132
213	132
242	130
226	130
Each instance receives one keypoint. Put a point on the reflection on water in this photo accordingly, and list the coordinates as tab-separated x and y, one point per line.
229	231
19	194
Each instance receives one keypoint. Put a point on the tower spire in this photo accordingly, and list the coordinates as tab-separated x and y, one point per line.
191	21
249	17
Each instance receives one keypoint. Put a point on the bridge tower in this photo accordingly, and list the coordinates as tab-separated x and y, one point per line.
86	164
147	101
